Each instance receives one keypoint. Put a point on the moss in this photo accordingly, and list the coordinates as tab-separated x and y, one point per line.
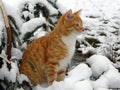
92	41
102	34
82	42
32	66
28	35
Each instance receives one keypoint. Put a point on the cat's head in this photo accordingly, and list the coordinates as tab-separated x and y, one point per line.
71	22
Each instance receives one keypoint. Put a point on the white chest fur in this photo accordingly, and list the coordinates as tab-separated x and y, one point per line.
69	41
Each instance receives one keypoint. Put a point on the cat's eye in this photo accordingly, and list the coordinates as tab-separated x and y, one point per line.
78	24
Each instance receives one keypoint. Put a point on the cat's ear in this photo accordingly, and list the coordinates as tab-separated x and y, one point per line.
68	15
78	12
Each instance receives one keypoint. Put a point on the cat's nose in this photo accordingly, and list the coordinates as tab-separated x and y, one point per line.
83	29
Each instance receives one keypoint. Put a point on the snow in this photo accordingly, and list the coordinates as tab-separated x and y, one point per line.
80	72
9	75
113	77
103	89
21	78
20	88
100	74
99	65
76	79
102	82
16	53
52	10
80	77
84	85
9	5
32	24
99	17
39	33
109	77
1	31
61	8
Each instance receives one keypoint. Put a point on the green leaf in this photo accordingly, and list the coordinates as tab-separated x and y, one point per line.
32	66
92	41
14	22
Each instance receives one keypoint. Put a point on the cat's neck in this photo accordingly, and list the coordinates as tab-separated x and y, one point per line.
67	39
70	39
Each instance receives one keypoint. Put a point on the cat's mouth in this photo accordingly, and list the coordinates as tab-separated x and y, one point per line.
83	29
80	31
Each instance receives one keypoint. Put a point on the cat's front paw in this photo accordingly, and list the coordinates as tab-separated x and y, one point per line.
51	79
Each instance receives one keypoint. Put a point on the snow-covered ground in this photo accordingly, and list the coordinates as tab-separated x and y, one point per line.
99	75
102	22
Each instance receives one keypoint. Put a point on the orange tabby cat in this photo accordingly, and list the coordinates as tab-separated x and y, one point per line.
46	58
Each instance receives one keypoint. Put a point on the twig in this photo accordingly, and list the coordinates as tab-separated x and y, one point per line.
4	58
8	29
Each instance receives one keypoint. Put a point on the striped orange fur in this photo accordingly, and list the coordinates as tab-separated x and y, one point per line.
47	58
